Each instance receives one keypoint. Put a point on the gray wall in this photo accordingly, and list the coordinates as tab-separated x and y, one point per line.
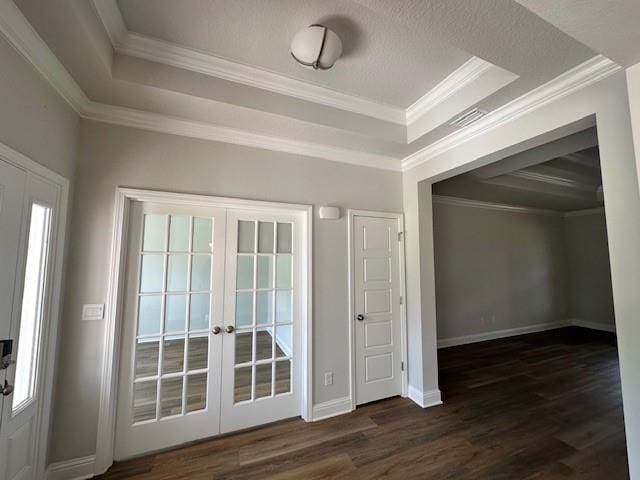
34	120
111	156
497	270
590	292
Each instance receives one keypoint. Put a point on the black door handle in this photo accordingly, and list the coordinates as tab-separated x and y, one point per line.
360	317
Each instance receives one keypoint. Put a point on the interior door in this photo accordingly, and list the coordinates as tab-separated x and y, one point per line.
26	217
260	377
378	344
169	391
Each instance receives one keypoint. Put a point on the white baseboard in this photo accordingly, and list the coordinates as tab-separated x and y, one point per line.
76	469
427	399
509	332
512	332
604	327
332	408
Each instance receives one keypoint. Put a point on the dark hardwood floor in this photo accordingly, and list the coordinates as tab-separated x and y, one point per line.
541	406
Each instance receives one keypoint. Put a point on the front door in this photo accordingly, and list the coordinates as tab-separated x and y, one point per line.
27	207
377	302
211	308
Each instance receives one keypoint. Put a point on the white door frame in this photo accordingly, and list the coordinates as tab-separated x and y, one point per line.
53	302
113	314
403	313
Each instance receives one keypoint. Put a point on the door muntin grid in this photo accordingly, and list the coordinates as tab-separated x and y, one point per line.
173	316
263	310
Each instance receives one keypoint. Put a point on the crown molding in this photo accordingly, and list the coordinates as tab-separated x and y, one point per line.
552	180
188	128
19	32
585	74
465	202
585	212
456	81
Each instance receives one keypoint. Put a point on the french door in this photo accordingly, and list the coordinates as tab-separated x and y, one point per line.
27	219
210	324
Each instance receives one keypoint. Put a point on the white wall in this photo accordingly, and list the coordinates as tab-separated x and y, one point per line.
34	120
497	270
111	156
589	287
609	103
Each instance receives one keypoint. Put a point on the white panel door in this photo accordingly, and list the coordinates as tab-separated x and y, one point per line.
169	389
27	209
261	368
378	346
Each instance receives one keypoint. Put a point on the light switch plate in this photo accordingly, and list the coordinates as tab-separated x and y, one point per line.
93	311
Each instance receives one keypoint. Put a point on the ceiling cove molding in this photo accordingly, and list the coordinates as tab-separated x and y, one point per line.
456	81
155	50
465	202
19	32
552	180
188	128
588	211
585	74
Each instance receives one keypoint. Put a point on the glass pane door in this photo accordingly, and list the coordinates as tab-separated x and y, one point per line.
176	272
259	348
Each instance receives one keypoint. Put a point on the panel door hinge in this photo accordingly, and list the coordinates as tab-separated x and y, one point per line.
401	300
402	366
400	234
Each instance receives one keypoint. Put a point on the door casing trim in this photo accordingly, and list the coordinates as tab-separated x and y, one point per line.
54	300
113	314
399	217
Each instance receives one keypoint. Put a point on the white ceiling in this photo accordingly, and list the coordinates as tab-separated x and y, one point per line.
224	65
381	59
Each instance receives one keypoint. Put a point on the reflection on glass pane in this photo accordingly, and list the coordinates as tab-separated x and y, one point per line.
242	384
263	380
244	275
173	355
154	233
246	237
283	377
196	392
31	315
244	309
283	306
284	238
176	313
202	235
147	350
284	340
198	352
264	308
171	397
264	344
178	233
199	311
283	271
243	347
177	273
149	314
201	273
151	277
265	237
144	401
265	272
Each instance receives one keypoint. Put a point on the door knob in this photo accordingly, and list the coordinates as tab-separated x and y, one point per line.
6	389
229	329
216	330
360	317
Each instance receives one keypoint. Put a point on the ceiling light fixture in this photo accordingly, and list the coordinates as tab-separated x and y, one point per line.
316	47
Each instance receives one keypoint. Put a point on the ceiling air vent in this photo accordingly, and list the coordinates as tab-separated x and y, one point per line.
468	118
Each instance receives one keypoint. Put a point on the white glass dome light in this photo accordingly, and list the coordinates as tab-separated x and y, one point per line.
316	47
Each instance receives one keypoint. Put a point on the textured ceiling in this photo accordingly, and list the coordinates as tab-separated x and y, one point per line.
611	27
382	60
565	183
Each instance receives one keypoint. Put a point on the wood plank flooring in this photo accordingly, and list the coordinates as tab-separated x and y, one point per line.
541	406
